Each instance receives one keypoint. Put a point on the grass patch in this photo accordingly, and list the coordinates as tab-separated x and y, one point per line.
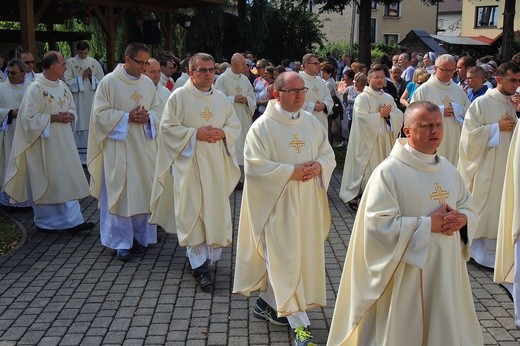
10	234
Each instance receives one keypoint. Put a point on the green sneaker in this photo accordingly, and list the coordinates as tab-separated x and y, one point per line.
302	337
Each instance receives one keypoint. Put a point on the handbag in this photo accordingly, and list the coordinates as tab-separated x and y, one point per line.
337	109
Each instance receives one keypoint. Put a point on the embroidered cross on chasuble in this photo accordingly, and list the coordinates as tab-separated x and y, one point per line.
238	90
447	101
206	114
297	143
136	97
439	194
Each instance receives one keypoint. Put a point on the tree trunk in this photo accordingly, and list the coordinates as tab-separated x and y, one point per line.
365	11
508	30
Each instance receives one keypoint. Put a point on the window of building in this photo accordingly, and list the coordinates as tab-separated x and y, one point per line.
374	4
440	24
486	16
392	10
373	30
390	39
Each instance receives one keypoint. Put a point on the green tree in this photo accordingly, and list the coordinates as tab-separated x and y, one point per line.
291	31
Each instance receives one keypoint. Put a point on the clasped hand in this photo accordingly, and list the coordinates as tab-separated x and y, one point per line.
62	117
210	134
447	220
306	171
139	115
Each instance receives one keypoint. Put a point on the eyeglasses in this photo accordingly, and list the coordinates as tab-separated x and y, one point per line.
32	62
204	70
450	70
512	80
294	91
142	63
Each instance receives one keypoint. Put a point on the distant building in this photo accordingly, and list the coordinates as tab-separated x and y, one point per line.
449	22
389	23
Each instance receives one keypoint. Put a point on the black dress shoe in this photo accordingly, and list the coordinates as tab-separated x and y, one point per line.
85	226
137	248
205	281
123	255
240	186
353	206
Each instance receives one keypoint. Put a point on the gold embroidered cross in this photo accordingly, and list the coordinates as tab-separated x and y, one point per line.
439	194
206	114
447	101
238	90
136	96
61	102
297	143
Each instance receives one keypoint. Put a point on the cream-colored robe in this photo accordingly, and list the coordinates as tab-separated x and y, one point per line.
127	165
50	165
509	218
11	96
401	283
204	178
82	98
232	84
164	94
292	218
370	140
482	167
318	91
441	94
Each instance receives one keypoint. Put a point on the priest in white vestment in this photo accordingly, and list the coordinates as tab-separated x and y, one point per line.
44	166
82	76
452	101
153	71
507	263
240	94
484	144
405	280
196	168
11	95
318	100
122	150
376	124
285	216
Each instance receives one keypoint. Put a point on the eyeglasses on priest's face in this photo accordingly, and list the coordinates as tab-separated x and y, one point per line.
204	70
294	91
142	63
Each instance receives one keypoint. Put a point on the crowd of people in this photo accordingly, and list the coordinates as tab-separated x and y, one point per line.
430	171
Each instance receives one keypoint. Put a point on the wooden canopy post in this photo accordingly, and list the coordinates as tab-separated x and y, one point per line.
28	26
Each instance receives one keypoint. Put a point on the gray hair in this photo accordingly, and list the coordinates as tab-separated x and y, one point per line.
444	58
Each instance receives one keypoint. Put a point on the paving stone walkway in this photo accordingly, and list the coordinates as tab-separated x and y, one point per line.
62	289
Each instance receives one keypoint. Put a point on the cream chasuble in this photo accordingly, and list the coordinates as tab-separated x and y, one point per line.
482	166
509	220
232	84
204	178
11	96
83	89
164	94
370	141
401	283
128	164
318	91
48	161
283	219
442	95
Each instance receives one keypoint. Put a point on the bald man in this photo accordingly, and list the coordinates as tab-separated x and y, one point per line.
153	71
239	92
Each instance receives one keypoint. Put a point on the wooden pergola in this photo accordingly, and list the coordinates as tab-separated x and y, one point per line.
109	13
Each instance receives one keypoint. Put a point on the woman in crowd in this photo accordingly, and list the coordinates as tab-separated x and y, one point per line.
412	86
262	98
